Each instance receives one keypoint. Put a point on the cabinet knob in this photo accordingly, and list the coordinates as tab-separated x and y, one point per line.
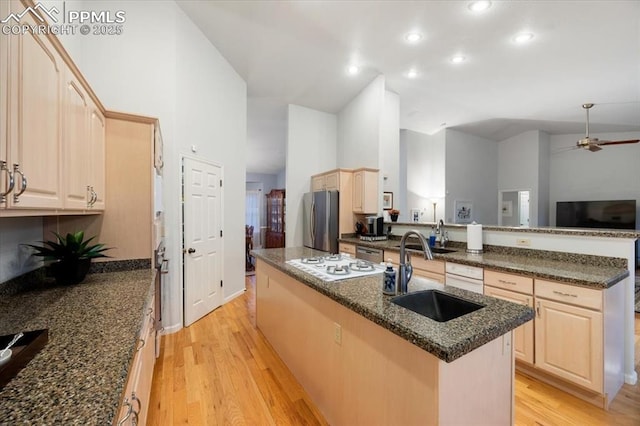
191	250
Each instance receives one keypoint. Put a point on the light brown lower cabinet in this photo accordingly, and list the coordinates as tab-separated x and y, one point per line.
522	336
575	342
135	399
569	343
347	248
430	269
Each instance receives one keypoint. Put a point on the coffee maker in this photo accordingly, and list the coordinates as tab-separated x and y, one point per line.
375	226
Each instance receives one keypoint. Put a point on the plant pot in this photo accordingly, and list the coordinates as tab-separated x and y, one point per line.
70	271
394	217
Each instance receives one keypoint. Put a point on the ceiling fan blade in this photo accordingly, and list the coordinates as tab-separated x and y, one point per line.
594	148
602	143
565	149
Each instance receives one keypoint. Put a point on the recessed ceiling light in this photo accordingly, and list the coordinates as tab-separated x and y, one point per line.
479	6
413	37
353	70
458	59
523	37
412	73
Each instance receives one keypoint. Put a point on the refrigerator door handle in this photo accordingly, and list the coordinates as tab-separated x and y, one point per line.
313	223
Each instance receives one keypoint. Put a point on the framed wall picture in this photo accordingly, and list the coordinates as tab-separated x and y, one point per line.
387	200
462	211
507	208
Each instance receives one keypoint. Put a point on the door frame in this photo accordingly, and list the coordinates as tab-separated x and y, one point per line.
501	191
182	249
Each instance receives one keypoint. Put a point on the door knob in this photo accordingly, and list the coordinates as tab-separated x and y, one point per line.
191	250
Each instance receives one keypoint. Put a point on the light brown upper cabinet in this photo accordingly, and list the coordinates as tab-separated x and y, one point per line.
52	145
326	181
365	191
97	140
33	115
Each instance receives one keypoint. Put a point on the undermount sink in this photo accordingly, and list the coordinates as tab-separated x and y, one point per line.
434	304
438	250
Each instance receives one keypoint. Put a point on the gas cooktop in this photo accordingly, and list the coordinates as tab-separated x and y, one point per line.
336	267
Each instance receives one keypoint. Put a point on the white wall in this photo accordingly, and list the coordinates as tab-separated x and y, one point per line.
163	66
580	175
544	181
15	258
523	164
471	175
518	168
425	174
311	149
282	179
390	147
359	127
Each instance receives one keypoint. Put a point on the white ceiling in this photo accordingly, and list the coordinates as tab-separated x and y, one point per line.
297	52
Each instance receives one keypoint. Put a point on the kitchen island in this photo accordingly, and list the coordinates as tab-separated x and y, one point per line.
365	360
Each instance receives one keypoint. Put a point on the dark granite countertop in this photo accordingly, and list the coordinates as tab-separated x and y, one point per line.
447	341
551	230
581	270
79	376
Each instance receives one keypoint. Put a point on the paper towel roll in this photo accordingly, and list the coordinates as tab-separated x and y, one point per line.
474	237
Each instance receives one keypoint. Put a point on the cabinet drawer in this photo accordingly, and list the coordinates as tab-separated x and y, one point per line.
347	248
418	262
579	296
464	270
509	281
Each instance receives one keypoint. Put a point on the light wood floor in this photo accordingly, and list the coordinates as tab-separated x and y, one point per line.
221	370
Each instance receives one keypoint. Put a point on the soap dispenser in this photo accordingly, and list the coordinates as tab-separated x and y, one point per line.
389	284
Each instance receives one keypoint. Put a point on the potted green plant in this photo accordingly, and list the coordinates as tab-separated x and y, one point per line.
71	256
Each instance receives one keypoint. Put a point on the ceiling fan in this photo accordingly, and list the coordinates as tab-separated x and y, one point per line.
595	144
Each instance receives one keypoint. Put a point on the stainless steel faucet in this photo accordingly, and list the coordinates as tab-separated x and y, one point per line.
406	270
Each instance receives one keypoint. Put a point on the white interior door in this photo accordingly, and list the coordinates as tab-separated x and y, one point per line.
202	239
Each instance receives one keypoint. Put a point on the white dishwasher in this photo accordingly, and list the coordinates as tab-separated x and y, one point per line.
465	277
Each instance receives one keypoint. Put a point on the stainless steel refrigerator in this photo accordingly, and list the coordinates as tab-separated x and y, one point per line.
320	222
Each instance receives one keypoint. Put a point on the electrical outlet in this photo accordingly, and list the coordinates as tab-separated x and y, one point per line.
523	242
337	333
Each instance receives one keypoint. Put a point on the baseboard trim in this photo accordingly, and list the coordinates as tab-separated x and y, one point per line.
587	395
631	379
171	329
234	295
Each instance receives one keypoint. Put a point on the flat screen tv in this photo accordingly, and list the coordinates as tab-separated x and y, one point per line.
615	214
